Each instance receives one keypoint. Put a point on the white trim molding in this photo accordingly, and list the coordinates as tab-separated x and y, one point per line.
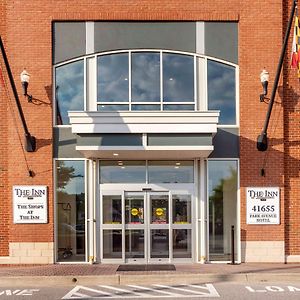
144	122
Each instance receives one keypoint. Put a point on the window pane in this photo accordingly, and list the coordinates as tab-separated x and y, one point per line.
178	78
122	171
222	189
112	78
112	209
134	209
159	209
114	107
112	243
182	209
159	243
69	87
70	195
171	171
221	91
145	77
145	107
179	107
134	244
182	243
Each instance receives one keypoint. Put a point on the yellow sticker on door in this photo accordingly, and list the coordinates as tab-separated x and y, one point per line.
159	211
134	211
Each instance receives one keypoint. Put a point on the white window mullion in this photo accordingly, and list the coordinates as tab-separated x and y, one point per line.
161	81
129	78
195	84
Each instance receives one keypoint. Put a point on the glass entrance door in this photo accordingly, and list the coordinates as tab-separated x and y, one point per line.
146	226
147	231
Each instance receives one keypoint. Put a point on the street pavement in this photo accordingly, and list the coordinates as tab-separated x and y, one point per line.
107	274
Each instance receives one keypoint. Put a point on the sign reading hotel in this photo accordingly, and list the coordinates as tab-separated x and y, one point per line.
263	205
30	204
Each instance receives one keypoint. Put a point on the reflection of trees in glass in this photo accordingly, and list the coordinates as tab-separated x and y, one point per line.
216	201
70	209
64	174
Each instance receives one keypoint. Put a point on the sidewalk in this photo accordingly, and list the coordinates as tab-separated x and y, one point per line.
86	274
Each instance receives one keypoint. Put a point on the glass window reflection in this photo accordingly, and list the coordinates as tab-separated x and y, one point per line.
122	171
182	243
69	87
222	189
221	91
112	244
112	107
179	107
142	107
70	195
182	209
145	77
112	209
178	78
171	171
112	78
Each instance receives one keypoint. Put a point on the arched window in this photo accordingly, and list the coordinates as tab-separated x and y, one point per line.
146	80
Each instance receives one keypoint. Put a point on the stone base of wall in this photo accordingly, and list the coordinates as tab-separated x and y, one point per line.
29	253
263	251
292	258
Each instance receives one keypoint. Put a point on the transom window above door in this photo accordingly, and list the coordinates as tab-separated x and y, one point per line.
146	80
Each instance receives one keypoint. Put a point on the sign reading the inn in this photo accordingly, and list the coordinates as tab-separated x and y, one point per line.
30	204
263	205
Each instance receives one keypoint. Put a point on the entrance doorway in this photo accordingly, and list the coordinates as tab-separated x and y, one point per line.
146	226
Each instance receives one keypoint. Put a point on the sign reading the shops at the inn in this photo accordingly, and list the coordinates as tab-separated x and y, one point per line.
263	205
30	204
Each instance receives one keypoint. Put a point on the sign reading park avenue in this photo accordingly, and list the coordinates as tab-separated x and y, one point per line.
30	204
263	205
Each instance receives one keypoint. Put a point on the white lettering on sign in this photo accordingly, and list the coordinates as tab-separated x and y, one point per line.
263	205
30	204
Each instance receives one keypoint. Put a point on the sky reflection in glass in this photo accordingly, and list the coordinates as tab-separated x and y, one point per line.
145	107
113	107
69	87
179	107
145	77
221	91
112	78
178	78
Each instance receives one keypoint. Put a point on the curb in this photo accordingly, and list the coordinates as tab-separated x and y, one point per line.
144	279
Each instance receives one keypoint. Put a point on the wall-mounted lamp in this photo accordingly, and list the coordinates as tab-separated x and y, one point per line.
264	79
25	76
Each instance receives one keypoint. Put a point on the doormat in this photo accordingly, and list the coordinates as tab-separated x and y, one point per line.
126	268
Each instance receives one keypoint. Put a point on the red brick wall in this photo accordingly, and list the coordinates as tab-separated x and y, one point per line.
28	42
3	149
291	106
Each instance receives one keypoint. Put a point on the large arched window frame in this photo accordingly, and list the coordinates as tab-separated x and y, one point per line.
213	84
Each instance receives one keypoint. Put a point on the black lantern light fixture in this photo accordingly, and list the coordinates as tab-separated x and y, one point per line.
25	76
264	79
262	139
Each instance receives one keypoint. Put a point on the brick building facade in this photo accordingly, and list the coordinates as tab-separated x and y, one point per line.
247	36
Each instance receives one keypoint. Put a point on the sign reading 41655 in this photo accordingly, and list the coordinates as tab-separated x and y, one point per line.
263	205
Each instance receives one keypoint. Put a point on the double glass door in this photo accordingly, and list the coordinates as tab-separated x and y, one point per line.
145	227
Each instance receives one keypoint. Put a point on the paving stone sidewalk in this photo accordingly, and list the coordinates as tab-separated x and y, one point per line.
86	274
